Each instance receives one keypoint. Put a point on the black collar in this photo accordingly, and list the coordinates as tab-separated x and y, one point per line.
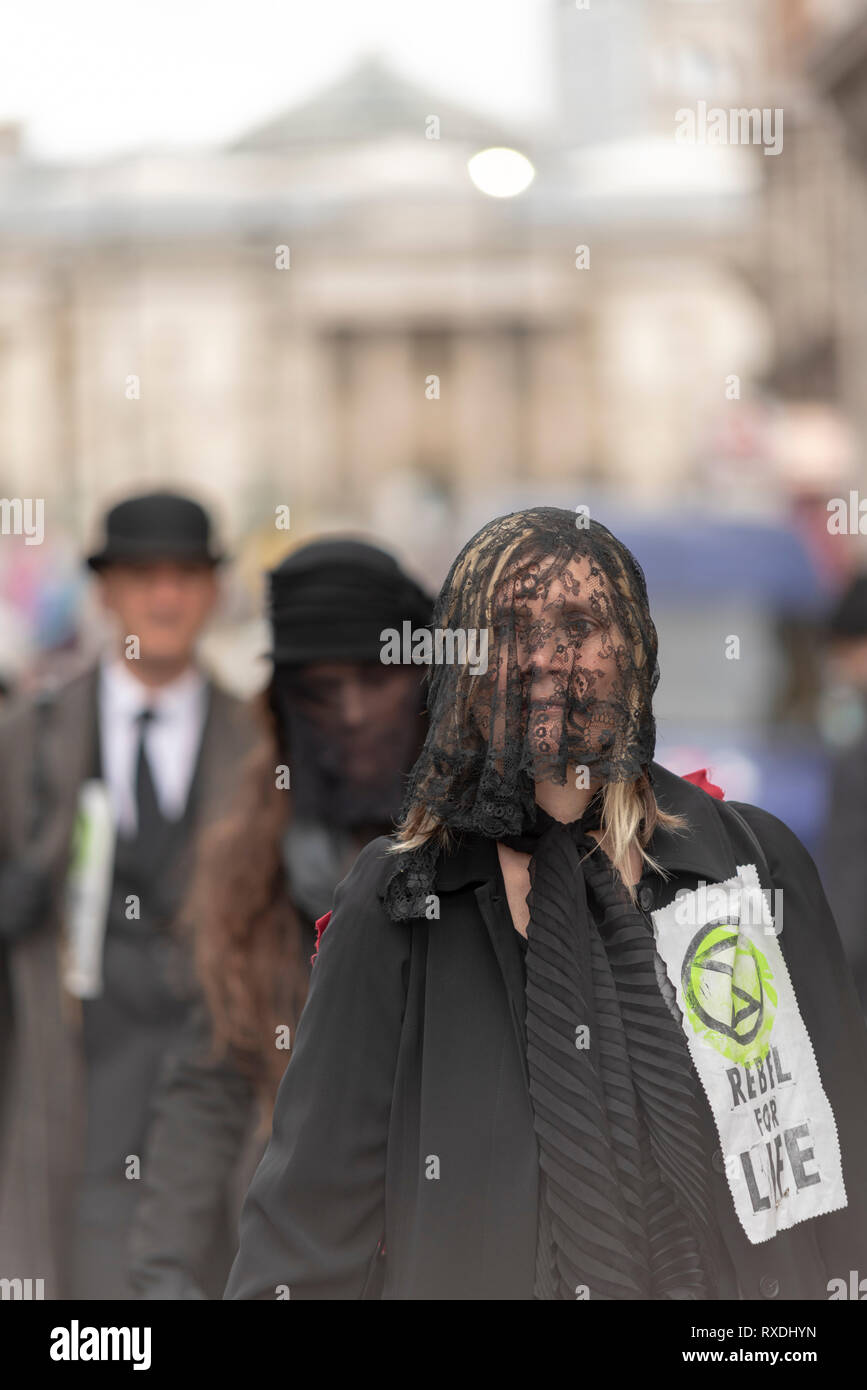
701	849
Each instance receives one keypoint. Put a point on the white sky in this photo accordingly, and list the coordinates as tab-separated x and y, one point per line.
89	78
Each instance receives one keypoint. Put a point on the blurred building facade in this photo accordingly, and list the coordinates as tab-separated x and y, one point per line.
815	208
419	334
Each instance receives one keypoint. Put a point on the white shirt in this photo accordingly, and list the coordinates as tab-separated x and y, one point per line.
171	742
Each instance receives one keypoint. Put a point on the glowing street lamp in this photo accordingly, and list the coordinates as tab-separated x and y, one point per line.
500	172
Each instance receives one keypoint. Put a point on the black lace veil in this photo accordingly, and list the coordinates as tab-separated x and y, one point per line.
570	671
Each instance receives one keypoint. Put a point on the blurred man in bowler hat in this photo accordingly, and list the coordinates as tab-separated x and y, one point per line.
106	783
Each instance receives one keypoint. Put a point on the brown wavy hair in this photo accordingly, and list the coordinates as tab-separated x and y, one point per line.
247	936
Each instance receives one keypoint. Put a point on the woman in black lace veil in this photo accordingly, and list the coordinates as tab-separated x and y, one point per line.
549	754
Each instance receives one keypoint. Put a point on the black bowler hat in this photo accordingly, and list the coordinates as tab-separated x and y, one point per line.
156	526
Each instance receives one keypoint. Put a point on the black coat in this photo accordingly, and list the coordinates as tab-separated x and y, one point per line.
203	1147
204	1142
411	1046
845	857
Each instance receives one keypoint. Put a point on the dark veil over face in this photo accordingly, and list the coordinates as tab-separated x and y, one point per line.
350	726
351	733
571	671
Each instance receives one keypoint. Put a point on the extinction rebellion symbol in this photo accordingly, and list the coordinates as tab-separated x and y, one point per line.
728	989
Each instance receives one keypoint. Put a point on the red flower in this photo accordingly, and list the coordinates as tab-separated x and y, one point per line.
321	923
700	779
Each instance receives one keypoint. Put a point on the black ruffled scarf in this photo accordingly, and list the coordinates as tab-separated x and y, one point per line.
625	1197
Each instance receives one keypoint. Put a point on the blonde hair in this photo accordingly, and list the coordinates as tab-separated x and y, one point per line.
630	814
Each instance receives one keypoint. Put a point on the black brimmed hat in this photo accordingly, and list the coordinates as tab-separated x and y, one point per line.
330	600
156	526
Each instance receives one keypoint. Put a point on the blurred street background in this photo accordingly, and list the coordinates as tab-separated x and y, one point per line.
308	293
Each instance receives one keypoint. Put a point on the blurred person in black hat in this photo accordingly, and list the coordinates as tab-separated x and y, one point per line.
845	727
107	780
343	731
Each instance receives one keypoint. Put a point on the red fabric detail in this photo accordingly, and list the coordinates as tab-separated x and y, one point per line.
320	924
700	779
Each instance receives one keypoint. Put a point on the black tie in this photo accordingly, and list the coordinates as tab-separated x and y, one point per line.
150	818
